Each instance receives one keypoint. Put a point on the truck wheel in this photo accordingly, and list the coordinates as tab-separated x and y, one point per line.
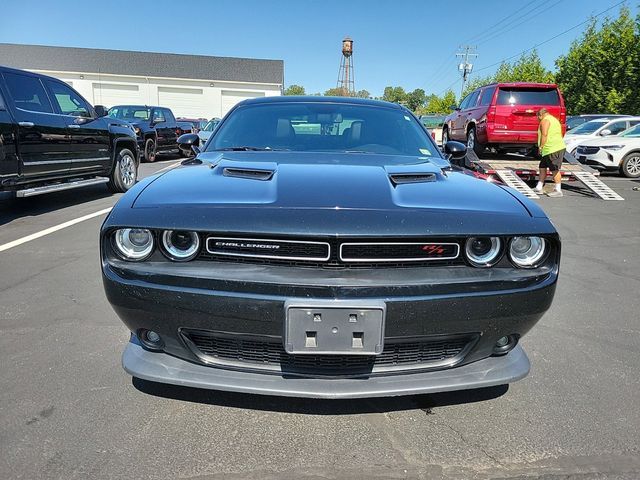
125	172
630	167
150	150
472	142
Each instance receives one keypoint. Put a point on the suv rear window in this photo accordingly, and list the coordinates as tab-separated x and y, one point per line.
528	96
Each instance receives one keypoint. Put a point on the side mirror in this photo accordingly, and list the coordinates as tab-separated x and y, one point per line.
189	143
454	107
100	110
455	150
605	132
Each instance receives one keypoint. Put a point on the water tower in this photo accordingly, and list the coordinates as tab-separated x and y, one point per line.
345	75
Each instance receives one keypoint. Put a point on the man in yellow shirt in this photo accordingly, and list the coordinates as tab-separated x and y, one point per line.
552	148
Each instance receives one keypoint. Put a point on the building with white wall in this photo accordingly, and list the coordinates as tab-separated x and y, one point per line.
190	85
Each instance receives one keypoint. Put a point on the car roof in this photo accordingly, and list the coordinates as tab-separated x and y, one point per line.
318	99
521	84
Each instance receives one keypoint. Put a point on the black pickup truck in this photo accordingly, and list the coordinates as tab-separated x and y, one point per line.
156	127
52	139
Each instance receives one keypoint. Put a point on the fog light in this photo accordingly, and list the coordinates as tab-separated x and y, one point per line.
150	339
153	337
505	344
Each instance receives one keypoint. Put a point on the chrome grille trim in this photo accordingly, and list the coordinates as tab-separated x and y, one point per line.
213	251
394	259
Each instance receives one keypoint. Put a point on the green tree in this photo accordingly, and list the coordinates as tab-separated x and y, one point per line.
395	95
416	99
335	92
436	104
294	90
601	71
363	94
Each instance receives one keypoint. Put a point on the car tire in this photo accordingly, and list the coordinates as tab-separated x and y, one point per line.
472	142
150	150
630	166
125	172
445	136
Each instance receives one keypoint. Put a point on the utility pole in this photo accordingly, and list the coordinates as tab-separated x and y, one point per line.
465	67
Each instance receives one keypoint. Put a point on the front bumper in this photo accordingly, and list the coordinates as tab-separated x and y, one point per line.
163	368
601	160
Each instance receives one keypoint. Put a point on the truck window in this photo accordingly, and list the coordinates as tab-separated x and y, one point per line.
528	96
158	116
28	93
487	95
473	99
68	100
168	115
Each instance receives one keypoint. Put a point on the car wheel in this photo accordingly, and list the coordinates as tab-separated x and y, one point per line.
150	150
125	172
630	167
472	142
445	136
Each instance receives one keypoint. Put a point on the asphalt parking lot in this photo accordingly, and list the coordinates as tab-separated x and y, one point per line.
68	410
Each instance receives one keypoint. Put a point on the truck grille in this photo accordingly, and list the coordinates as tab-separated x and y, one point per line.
267	353
334	253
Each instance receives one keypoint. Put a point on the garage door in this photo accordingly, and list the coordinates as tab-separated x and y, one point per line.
184	102
231	97
110	94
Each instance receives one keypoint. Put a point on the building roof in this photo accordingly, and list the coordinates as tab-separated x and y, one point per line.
145	64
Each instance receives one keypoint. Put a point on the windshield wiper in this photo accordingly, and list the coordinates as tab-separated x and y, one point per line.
248	149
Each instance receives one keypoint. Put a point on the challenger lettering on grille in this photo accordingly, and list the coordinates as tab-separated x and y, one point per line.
246	245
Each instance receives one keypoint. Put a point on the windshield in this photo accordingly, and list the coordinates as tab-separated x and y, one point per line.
631	132
323	127
210	125
126	112
588	127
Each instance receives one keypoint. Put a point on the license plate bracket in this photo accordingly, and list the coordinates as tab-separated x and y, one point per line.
334	328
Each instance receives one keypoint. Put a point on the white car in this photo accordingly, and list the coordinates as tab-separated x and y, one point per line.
207	130
615	152
601	127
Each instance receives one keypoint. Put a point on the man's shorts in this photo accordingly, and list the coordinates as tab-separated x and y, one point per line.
553	161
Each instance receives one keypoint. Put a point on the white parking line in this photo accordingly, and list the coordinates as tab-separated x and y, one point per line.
49	230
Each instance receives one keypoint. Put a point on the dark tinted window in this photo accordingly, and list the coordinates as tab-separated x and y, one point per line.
487	95
465	102
617	127
528	96
168	115
68	100
130	112
158	116
28	93
473	98
2	106
324	127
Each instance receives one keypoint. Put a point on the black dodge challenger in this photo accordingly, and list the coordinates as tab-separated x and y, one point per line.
324	247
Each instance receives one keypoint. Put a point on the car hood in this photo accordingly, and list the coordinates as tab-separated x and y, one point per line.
326	194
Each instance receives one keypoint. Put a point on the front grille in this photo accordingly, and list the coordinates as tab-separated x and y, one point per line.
267	353
334	253
584	150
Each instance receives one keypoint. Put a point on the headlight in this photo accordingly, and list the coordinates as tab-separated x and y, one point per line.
483	251
134	243
527	252
179	245
613	147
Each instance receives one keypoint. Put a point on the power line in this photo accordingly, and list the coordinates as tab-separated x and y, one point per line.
552	38
492	27
465	67
513	27
524	13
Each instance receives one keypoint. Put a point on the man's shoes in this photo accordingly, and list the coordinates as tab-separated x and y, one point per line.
538	190
555	194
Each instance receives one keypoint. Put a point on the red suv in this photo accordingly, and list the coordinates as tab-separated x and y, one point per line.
503	116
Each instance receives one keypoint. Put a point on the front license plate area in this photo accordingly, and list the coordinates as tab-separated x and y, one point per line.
334	329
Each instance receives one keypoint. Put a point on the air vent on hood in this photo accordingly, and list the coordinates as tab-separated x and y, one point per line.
402	178
248	173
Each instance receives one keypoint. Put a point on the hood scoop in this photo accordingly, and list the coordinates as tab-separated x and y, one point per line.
250	173
420	177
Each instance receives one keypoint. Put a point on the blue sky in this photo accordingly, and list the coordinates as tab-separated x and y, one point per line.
400	42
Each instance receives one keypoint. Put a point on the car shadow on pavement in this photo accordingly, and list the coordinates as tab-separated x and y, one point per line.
14	208
312	406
